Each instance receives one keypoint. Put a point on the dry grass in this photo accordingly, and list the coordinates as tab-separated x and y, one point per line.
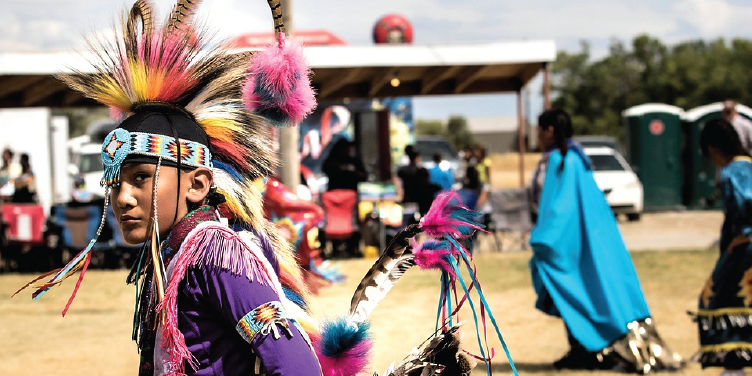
94	338
505	169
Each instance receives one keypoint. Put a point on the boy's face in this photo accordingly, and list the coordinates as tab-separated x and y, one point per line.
132	201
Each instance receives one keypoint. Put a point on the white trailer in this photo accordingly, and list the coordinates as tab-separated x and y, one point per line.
43	137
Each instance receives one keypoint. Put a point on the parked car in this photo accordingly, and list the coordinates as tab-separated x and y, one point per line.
620	185
598	141
429	145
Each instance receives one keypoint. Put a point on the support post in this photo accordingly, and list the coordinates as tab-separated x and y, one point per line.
289	157
521	135
546	88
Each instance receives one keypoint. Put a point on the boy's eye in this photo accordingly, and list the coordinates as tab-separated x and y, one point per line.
139	177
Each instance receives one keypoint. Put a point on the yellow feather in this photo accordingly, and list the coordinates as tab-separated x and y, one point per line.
221	129
139	80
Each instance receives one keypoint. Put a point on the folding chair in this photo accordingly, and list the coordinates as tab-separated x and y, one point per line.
341	222
510	217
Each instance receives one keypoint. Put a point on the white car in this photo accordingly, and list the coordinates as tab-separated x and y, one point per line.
619	183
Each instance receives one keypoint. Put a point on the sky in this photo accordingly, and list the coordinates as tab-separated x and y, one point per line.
46	25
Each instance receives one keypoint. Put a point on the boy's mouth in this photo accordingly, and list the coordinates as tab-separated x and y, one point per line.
127	219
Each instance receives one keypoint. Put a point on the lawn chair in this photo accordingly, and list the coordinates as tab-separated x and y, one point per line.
341	222
510	218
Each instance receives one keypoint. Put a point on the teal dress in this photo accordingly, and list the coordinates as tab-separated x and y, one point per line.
725	313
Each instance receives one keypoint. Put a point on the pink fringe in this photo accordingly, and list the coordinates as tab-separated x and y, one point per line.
434	259
284	76
439	221
211	245
350	363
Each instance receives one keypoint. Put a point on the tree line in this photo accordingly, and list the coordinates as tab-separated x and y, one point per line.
686	74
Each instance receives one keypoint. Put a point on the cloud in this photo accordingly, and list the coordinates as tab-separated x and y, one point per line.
714	18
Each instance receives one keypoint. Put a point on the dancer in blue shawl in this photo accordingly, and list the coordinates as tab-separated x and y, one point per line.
725	316
581	269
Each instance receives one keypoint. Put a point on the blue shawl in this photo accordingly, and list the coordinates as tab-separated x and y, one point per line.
581	269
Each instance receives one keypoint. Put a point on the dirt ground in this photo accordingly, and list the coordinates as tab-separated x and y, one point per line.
673	230
94	338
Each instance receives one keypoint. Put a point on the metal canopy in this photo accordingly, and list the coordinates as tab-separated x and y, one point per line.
27	79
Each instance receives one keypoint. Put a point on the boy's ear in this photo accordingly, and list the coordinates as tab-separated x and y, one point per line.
201	180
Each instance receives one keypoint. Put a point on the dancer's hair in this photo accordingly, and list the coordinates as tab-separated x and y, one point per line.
721	135
559	119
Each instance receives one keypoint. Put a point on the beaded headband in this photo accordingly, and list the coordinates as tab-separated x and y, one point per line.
120	143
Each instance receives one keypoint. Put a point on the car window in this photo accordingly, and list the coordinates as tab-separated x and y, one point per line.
90	163
428	148
598	144
605	162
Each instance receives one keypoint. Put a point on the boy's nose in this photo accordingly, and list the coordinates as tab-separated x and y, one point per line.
123	196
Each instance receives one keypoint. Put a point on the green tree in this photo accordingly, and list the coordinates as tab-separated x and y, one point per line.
687	75
458	133
429	127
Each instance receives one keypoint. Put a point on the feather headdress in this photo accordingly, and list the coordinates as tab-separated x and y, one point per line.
175	65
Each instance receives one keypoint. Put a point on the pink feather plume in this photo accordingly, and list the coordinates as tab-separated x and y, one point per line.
279	86
449	217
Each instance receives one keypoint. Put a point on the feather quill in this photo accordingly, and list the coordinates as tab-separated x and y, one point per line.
384	274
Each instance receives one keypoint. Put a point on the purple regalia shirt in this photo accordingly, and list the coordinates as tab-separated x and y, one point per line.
231	325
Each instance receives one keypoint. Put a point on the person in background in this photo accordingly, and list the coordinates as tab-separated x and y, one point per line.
9	171
405	159
25	184
581	269
425	190
343	168
441	174
474	195
405	183
483	164
727	295
742	126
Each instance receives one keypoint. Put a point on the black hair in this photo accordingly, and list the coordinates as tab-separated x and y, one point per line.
24	161
409	149
472	178
720	134
437	158
559	119
413	156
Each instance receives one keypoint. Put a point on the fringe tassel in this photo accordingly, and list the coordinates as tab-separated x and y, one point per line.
209	244
79	262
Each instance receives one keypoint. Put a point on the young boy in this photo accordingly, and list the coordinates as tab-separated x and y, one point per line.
211	299
230	314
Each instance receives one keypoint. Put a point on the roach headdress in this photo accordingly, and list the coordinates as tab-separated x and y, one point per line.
189	102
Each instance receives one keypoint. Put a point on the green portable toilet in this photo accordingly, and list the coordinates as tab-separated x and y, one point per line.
700	173
654	141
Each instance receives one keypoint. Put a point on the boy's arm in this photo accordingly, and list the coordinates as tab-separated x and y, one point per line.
255	311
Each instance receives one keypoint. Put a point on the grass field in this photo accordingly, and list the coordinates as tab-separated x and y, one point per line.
94	338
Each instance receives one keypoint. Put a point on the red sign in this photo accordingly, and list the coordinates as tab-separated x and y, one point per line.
305	37
656	127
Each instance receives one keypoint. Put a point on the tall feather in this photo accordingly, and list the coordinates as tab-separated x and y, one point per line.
181	14
382	276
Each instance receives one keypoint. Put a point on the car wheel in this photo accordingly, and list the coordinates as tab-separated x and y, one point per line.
632	217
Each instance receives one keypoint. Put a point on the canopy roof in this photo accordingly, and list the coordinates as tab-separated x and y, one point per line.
26	79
